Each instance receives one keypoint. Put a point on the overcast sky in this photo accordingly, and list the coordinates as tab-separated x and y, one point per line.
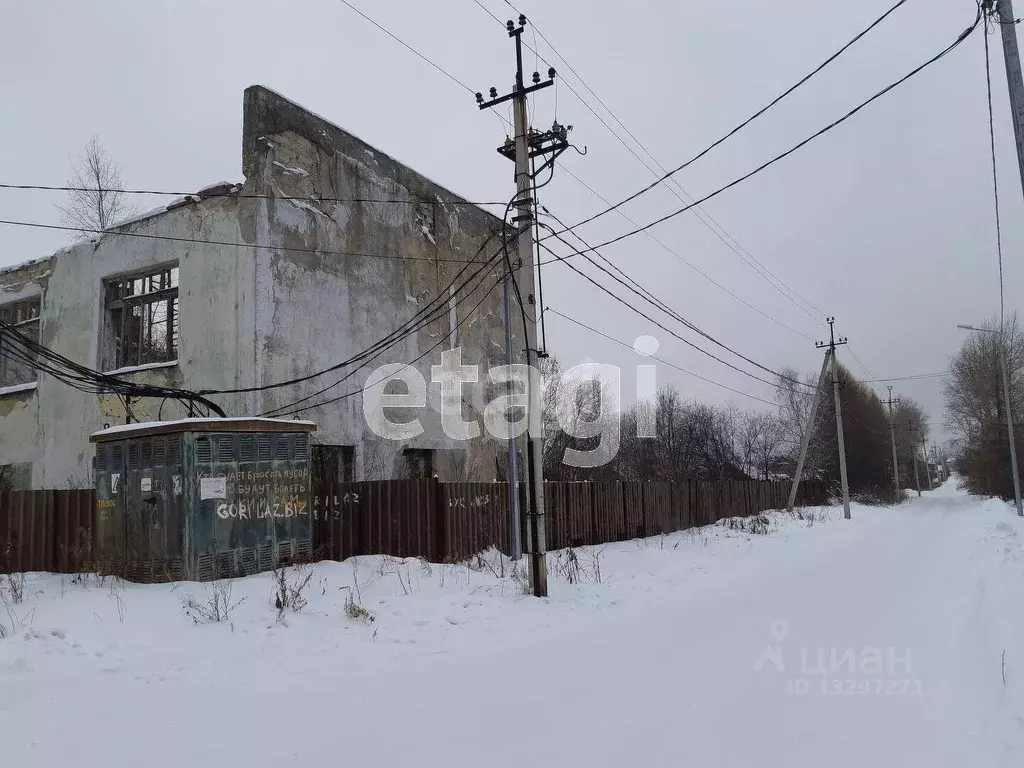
886	222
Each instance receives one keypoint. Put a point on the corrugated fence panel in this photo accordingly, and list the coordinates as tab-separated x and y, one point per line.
609	520
556	510
660	516
74	527
475	518
26	521
633	509
579	522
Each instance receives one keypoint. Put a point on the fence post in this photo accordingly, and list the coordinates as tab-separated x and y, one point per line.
440	502
54	534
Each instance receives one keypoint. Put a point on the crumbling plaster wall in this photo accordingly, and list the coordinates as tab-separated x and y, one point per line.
339	275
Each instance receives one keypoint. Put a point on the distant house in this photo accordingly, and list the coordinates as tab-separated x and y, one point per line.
326	247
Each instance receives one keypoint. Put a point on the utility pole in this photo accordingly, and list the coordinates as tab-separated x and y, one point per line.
830	357
927	464
832	344
808	431
1001	11
913	444
515	538
527	145
892	438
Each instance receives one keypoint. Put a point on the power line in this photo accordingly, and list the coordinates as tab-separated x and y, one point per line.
914	377
245	196
680	258
995	177
650	319
834	124
635	287
230	243
754	116
867	371
28	351
408	47
415	52
458	325
703	216
662	360
388	342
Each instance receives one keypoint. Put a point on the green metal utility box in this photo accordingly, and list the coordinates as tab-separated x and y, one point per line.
201	499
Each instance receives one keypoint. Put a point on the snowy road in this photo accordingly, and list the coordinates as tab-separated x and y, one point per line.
876	641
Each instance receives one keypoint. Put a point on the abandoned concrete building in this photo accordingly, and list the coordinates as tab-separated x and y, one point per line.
327	247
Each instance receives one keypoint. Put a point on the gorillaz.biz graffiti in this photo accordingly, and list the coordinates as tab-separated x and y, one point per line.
261	494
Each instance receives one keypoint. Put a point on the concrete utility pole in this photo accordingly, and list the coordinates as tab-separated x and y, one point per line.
892	438
830	357
1001	11
839	415
927	464
1014	467
515	539
913	444
808	431
527	145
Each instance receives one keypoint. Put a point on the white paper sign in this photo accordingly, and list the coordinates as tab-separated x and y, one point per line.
115	481
176	484
146	484
213	487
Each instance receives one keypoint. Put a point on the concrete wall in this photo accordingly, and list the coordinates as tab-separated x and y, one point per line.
19	412
337	275
214	298
314	283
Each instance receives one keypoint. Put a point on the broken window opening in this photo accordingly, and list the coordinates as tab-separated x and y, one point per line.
142	312
24	317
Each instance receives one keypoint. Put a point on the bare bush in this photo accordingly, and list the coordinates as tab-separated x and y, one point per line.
760	525
389	566
578	567
356	612
13	585
216	605
289	585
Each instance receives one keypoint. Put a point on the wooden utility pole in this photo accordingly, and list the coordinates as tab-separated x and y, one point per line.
529	144
892	438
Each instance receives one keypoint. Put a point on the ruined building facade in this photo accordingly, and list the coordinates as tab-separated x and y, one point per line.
326	247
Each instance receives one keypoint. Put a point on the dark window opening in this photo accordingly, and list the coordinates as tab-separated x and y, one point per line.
419	462
334	463
142	312
17	365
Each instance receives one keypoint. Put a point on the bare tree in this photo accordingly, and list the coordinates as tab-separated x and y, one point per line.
975	407
96	199
760	441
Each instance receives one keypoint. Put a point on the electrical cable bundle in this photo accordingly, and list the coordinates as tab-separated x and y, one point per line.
26	350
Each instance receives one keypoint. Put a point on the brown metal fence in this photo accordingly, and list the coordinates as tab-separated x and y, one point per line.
46	530
443	522
448	522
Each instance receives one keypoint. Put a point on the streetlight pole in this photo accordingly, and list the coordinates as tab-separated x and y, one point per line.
1009	414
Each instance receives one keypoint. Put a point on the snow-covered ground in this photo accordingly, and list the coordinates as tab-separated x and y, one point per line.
876	641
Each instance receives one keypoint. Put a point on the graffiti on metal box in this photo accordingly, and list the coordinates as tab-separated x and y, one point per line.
260	509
